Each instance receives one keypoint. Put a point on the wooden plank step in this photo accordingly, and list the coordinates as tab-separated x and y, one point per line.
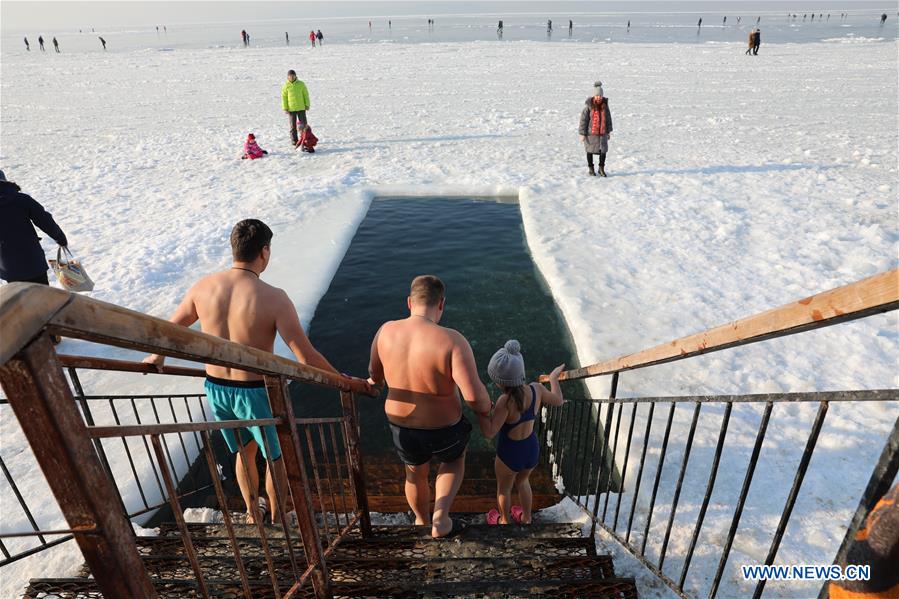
542	530
464	504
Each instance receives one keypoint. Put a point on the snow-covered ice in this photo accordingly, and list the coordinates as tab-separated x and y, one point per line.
736	184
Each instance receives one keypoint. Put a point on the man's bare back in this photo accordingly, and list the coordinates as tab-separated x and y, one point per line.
238	306
418	358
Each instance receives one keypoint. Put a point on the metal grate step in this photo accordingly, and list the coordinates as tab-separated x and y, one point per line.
378	547
539	560
614	588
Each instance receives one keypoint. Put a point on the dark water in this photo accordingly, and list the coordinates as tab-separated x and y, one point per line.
494	293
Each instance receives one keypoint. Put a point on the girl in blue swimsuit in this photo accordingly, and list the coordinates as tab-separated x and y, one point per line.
512	422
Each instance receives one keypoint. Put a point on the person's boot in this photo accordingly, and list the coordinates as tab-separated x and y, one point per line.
590	171
602	165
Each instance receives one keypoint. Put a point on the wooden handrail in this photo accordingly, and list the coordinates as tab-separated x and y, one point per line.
91	363
867	297
26	309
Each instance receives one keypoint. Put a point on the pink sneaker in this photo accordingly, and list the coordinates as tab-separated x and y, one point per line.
517	512
493	517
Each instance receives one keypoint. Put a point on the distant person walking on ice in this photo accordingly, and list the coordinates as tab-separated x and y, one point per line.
21	256
56	45
103	41
312	38
244	36
699	25
27	45
757	42
295	102
513	424
40	41
751	41
319	36
235	304
595	127
499	29
883	18
287	38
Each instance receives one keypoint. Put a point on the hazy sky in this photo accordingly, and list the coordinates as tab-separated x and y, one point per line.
71	14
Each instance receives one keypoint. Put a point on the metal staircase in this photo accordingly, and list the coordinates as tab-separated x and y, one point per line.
538	560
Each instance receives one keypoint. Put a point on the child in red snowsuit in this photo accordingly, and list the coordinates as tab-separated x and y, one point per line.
251	149
307	140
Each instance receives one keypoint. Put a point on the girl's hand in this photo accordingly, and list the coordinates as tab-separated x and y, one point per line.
554	375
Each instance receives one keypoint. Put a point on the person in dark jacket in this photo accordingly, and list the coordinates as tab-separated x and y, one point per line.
27	45
595	127
56	45
40	41
757	42
21	256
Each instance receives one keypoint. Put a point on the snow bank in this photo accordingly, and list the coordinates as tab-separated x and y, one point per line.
736	184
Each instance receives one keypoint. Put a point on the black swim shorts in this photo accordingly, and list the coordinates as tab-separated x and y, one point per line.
416	446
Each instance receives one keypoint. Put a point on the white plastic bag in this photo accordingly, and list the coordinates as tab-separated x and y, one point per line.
69	272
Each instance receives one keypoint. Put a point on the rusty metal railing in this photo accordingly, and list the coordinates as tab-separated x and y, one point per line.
320	487
28	534
587	441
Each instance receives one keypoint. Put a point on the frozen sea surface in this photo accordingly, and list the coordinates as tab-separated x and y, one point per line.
650	22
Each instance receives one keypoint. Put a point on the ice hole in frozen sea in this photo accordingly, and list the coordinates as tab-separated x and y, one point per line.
477	246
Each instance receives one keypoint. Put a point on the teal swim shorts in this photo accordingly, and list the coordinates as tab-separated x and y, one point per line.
242	400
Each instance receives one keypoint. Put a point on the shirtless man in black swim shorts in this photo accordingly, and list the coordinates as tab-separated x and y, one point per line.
426	367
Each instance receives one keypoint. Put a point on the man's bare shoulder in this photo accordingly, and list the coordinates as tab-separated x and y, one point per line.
269	289
457	338
209	280
389	327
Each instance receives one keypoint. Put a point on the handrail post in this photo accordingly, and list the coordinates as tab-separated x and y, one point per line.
297	481
354	457
89	419
613	393
46	410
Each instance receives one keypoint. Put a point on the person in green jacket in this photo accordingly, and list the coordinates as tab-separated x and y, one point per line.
295	102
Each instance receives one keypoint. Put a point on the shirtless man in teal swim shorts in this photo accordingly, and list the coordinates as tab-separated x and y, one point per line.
235	304
426	366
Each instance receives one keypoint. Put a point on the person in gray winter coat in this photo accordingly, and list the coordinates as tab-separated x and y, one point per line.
595	127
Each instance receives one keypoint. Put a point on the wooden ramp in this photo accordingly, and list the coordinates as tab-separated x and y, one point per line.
385	477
